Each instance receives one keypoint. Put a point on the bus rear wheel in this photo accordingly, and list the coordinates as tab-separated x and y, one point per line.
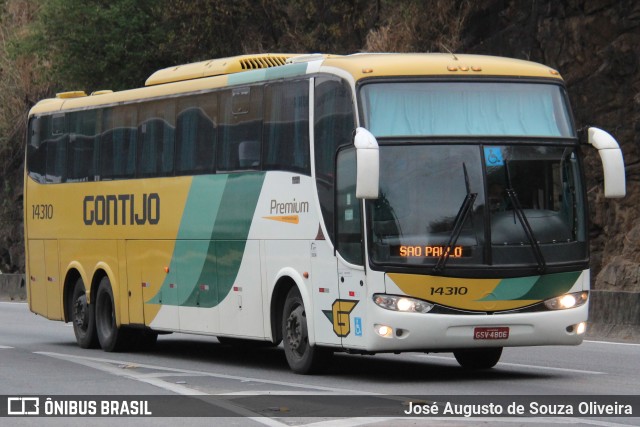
303	358
110	336
83	317
478	358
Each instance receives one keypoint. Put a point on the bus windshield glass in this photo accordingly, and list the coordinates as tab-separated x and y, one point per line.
419	215
466	109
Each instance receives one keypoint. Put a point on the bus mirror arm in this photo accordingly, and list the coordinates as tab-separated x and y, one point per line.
367	164
612	162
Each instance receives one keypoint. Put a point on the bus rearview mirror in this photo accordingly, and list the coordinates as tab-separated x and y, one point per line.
367	164
612	162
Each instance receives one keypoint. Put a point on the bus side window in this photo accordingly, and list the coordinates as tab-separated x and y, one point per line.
333	127
240	129
286	127
196	134
156	138
118	143
56	148
37	149
81	154
82	146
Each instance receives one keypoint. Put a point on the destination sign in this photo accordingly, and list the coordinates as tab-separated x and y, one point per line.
428	251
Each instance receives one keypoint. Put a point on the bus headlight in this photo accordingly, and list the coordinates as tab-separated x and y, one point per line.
399	303
565	301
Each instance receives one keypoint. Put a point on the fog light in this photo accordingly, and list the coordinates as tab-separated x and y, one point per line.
383	330
581	328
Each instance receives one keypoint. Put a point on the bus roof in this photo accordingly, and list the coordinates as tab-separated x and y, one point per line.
245	69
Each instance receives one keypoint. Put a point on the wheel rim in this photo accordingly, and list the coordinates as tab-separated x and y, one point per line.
297	337
80	313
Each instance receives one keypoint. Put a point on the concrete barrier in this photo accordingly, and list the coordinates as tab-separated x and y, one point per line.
12	287
614	315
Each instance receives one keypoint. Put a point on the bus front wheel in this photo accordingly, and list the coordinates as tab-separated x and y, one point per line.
303	358
110	336
83	317
478	358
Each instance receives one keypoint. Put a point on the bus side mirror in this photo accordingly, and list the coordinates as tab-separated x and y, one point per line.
367	164
612	162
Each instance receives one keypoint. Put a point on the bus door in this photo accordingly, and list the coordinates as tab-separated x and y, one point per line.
325	291
350	311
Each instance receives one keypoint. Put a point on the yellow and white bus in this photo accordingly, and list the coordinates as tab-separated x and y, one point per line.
365	203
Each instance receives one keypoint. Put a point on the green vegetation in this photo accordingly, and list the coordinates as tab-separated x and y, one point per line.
49	46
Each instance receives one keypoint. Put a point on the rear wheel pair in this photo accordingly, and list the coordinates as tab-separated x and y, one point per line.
95	324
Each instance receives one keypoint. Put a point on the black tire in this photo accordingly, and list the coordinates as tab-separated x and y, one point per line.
83	317
302	357
111	337
478	358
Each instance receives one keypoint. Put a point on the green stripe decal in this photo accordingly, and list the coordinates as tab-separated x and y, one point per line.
533	288
211	241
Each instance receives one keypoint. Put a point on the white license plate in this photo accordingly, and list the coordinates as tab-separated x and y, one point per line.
496	333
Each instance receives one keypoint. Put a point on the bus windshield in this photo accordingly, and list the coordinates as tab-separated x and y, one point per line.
465	109
423	187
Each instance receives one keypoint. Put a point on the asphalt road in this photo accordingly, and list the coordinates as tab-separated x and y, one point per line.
40	357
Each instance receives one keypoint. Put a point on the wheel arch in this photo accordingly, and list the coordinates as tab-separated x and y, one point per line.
74	272
284	282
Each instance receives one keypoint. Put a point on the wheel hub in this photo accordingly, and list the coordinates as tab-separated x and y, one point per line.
80	312
296	332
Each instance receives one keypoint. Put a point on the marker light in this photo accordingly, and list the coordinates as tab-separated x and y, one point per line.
399	303
567	301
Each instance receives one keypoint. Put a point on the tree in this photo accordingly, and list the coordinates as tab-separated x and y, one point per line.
95	44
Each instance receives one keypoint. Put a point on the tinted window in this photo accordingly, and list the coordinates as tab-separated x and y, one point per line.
334	125
286	127
82	151
196	134
36	149
118	143
156	138
241	129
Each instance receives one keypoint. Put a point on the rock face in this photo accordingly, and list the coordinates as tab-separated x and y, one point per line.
595	44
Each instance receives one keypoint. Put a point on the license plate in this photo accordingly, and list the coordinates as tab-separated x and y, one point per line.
498	333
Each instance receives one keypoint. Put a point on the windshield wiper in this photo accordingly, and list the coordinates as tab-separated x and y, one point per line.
518	212
461	218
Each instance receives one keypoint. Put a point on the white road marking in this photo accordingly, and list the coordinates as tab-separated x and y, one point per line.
520	365
5	346
91	361
125	369
613	343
